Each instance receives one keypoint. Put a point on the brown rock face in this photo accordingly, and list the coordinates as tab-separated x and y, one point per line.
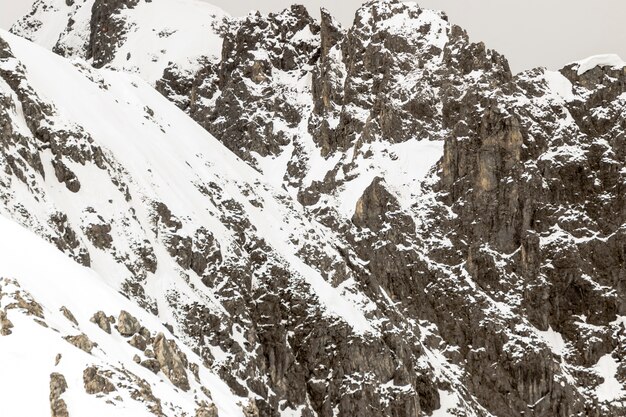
151	364
5	324
373	205
102	321
58	386
251	127
68	315
138	342
127	325
66	176
207	411
96	381
519	229
107	29
172	361
82	342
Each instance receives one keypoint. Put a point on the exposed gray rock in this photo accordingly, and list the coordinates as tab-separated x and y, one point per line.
82	342
207	411
127	325
26	303
138	342
102	321
144	393
107	29
519	228
375	203
67	240
68	315
58	386
97	381
5	324
172	361
151	364
251	410
99	233
66	176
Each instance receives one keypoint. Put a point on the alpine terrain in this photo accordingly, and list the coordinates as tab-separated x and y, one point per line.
276	216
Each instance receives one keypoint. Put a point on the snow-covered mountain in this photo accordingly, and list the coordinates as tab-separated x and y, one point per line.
277	216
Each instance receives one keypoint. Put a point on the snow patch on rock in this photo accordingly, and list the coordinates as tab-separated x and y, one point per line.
606	60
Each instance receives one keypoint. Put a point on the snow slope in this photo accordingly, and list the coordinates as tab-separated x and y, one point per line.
28	354
156	33
165	156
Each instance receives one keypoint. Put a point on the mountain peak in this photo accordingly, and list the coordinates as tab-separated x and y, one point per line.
272	216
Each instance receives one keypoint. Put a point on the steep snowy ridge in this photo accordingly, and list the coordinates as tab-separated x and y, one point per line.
127	184
407	228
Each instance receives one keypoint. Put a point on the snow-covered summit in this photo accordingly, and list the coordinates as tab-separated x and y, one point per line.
606	60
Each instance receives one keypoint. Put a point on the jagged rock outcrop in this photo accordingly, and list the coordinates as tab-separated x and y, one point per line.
69	315
207	411
257	52
5	324
108	29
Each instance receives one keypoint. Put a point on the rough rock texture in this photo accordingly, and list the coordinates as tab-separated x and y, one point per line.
127	325
68	315
171	361
58	386
262	57
486	280
5	324
207	411
107	29
96	382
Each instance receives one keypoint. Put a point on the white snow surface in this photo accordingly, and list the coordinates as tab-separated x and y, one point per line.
403	166
163	156
606	60
610	389
559	85
27	356
554	340
163	32
449	401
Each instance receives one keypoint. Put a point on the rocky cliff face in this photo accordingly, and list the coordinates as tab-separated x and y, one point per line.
417	230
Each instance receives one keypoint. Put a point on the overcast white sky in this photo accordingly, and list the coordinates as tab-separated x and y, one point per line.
530	33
